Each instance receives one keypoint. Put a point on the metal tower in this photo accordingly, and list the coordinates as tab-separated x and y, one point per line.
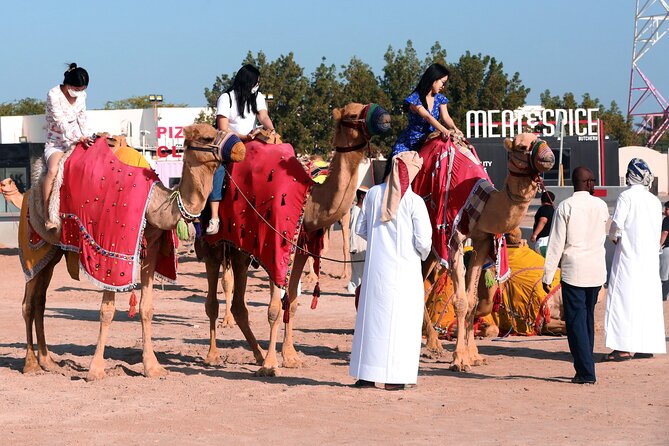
651	23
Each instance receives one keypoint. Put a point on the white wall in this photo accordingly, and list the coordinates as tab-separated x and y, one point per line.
656	161
130	122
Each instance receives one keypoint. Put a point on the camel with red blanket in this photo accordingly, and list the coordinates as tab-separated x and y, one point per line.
276	215
138	235
483	215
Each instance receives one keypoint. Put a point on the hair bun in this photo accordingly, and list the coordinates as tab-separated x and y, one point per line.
73	66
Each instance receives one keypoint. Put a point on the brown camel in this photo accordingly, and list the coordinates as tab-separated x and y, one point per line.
327	203
11	192
200	160
503	212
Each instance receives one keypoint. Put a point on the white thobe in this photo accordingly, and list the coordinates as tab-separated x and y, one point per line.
358	248
387	338
634	320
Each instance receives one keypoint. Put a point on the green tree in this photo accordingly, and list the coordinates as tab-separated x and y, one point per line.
136	102
321	98
23	107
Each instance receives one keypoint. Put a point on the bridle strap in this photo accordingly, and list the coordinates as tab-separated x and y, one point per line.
358	123
214	147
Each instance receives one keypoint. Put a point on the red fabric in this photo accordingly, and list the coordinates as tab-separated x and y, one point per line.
102	207
464	199
273	181
403	173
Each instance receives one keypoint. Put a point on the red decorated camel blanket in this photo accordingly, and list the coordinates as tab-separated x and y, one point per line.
456	187
103	202
263	208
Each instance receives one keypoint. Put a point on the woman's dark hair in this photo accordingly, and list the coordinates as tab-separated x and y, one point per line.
76	76
246	78
433	72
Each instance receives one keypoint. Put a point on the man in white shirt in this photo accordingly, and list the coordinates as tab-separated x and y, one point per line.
577	240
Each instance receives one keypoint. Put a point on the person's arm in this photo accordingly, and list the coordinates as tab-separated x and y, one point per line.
361	224
556	243
422	228
265	121
618	220
446	118
420	111
540	227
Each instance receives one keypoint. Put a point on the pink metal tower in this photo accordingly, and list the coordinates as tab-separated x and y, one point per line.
651	23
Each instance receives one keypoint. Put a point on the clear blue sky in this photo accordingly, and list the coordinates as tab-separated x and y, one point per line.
177	48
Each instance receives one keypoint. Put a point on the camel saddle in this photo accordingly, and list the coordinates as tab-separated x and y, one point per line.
455	187
263	207
99	204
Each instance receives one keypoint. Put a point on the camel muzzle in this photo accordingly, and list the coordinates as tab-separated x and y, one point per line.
541	156
377	120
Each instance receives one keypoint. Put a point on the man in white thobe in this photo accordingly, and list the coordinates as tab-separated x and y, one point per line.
634	320
357	244
387	338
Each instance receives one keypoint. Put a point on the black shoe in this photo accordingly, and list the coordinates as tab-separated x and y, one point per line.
643	355
361	383
579	380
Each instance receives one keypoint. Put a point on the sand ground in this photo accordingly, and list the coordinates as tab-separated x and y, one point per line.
522	396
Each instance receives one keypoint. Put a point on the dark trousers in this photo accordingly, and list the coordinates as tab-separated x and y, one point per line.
579	311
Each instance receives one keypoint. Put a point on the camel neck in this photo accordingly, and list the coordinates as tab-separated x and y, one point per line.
329	201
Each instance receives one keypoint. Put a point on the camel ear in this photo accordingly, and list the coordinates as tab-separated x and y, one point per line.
189	133
508	144
337	113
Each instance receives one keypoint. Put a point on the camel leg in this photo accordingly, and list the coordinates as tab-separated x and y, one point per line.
107	308
432	342
290	357
270	366
228	284
39	303
28	309
481	247
346	246
152	369
460	303
211	308
240	266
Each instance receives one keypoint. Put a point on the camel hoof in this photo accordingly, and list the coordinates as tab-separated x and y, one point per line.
268	371
479	362
227	322
213	360
95	375
31	366
48	364
461	368
156	371
293	362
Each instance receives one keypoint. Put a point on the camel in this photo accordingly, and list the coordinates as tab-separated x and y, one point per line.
201	158
503	211
11	192
326	204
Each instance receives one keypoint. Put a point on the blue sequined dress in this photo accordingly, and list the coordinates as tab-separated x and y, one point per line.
414	135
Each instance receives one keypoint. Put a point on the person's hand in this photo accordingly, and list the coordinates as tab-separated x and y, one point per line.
459	133
445	135
87	142
533	238
547	287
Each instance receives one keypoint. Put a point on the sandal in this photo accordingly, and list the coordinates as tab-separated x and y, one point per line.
399	386
617	356
362	384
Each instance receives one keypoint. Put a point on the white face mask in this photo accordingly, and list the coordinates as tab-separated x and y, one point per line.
255	89
75	93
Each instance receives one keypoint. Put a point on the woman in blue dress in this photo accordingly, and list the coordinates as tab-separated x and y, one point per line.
426	107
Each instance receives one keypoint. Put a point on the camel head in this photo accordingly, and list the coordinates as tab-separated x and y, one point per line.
528	155
204	143
8	185
356	124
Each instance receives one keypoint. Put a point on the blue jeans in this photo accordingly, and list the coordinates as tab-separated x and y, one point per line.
579	311
217	192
